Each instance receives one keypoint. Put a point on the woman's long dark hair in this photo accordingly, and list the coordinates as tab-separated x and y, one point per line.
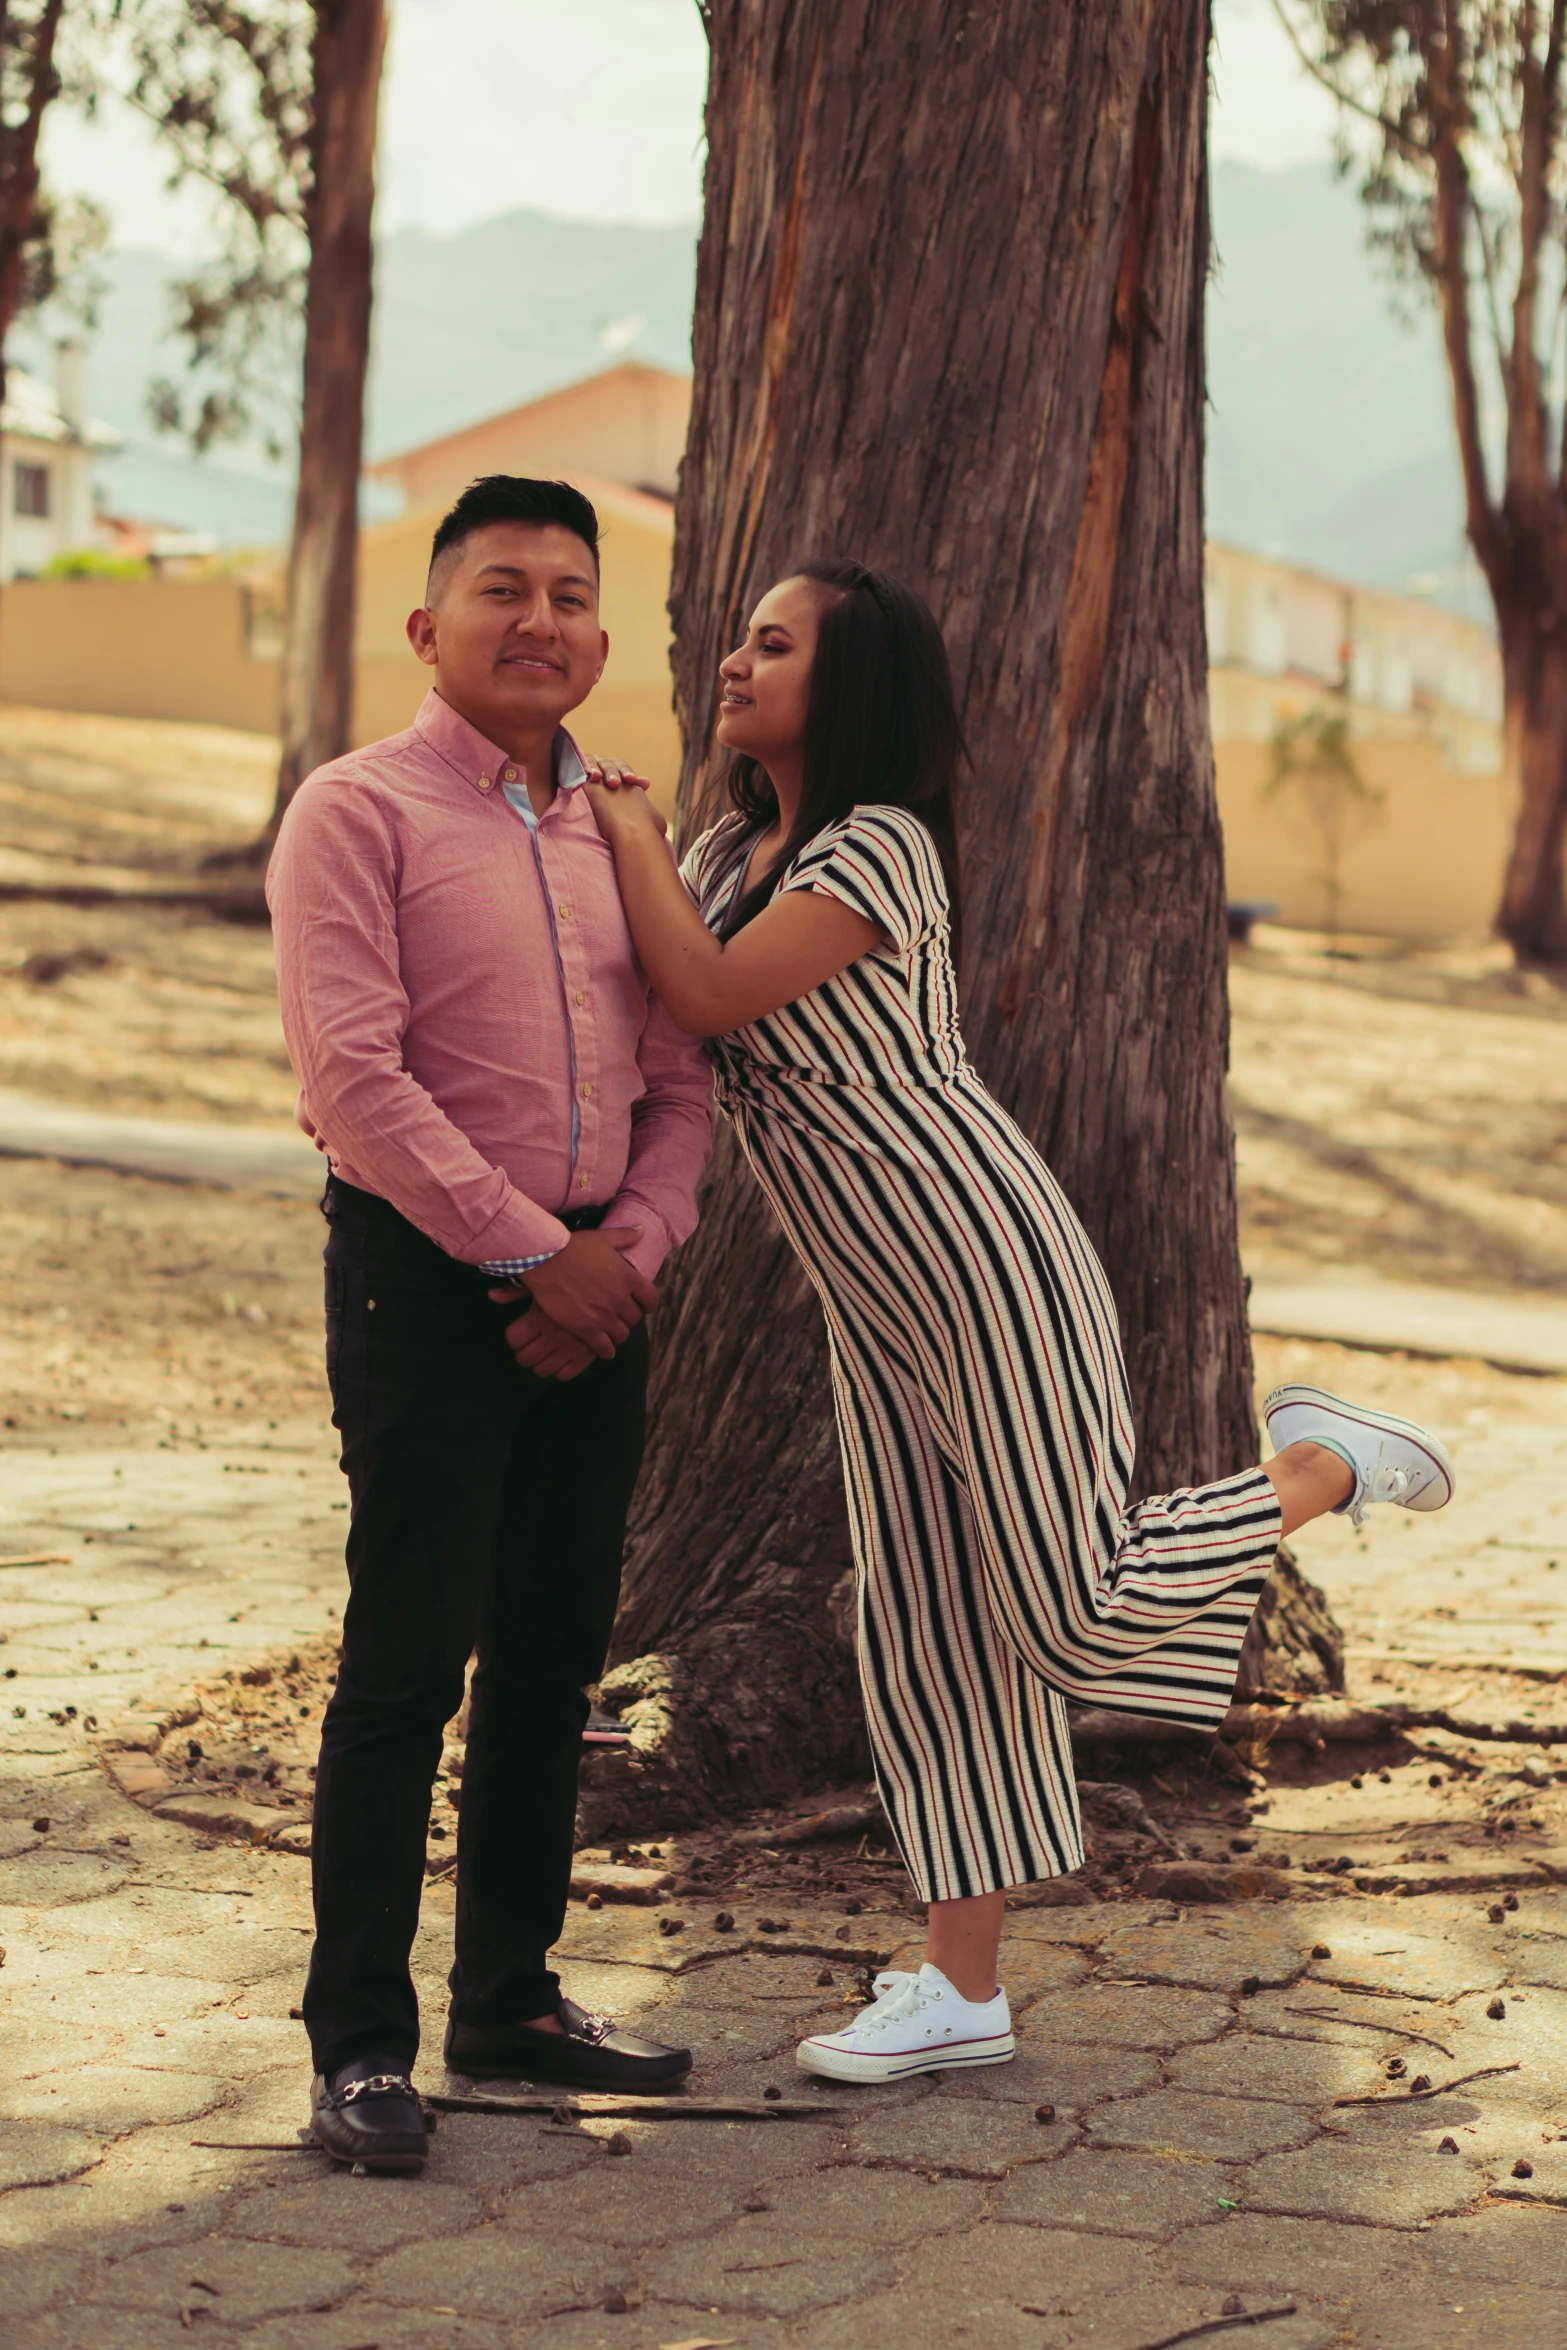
881	726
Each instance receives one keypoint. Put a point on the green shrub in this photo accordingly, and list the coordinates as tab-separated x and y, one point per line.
88	563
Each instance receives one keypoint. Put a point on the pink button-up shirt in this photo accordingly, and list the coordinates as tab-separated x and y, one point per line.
443	1035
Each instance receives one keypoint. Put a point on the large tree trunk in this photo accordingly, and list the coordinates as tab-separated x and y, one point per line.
317	680
1533	915
950	320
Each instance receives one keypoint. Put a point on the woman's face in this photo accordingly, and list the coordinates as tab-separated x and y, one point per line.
766	682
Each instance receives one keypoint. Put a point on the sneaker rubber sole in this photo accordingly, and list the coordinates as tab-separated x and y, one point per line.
1434	1496
842	2064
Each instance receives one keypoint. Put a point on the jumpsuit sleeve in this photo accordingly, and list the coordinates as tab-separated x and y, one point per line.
881	863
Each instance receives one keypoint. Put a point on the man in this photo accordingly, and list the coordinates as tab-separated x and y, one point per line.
501	1103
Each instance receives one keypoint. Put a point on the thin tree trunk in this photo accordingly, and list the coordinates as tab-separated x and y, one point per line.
950	320
19	173
1533	916
317	680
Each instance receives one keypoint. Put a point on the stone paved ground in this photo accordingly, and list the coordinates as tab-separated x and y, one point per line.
1188	2065
161	1425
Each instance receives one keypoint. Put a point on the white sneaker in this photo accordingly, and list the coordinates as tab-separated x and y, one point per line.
1393	1459
918	2024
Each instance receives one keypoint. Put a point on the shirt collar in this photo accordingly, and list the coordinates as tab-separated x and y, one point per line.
482	764
569	769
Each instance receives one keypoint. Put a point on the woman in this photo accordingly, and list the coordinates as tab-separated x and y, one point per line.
981	1398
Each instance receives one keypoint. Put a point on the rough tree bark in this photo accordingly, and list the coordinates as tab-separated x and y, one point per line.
316	687
950	320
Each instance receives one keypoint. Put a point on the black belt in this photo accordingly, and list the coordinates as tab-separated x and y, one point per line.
340	1197
584	1219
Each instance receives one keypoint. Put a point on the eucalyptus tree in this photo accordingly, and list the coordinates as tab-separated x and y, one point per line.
1453	124
275	103
949	320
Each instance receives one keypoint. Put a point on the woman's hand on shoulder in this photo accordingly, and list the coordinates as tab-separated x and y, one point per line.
620	800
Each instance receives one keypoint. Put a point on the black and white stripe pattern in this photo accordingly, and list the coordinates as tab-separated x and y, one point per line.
981	1397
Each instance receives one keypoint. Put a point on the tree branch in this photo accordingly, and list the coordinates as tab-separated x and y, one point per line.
1493	301
1454	208
19	169
1393	132
261	205
1526	465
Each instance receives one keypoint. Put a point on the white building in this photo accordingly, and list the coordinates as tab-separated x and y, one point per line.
48	444
1278	632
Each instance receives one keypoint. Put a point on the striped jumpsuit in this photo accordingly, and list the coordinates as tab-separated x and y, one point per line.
981	1397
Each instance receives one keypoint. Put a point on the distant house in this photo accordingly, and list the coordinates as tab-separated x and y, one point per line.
47	447
1420	689
627	424
206	648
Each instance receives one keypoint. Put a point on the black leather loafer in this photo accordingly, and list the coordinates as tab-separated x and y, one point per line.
369	2116
591	2053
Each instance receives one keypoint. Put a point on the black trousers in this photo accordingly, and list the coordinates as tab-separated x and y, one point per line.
488	1515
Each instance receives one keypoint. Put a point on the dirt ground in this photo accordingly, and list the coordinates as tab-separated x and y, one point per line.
1402	1112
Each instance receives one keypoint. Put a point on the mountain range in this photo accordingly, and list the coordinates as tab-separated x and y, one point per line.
1329	435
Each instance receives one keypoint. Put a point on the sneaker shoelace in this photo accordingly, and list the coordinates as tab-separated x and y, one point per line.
1387	1482
898	1996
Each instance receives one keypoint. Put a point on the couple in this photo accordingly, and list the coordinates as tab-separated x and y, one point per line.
494	984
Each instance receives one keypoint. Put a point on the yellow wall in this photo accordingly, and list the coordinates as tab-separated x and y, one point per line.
1426	862
135	648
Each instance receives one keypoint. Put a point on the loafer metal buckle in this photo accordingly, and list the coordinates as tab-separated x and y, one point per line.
375	2085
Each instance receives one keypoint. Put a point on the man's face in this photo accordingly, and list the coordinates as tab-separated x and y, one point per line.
512	628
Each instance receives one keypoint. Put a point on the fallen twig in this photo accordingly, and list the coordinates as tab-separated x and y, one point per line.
1361	2023
260	2145
1314	1722
1362	1990
1209	2325
588	2108
844	1819
1441	2088
40	1558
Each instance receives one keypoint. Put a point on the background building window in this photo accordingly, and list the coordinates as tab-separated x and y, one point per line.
32	491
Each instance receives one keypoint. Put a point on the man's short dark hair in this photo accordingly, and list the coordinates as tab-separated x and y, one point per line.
512	497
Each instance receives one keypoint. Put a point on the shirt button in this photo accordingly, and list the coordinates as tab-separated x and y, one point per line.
582	1183
587	1093
580	996
564	910
485	784
508	775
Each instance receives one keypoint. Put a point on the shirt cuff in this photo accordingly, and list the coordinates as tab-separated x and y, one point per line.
512	1268
648	1253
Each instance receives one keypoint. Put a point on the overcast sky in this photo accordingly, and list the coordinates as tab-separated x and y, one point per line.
593	109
